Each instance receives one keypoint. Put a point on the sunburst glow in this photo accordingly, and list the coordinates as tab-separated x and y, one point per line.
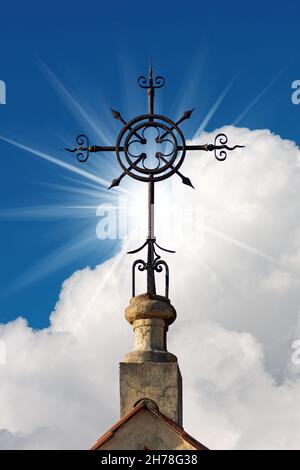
85	201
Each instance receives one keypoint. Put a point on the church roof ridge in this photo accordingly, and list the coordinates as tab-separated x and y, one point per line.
152	407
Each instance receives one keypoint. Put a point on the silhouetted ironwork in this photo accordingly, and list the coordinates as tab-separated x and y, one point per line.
135	158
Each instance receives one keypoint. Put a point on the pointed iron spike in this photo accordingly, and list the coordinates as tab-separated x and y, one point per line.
150	71
186	181
115	182
188	114
115	114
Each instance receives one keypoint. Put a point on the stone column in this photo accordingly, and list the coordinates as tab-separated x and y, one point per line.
150	371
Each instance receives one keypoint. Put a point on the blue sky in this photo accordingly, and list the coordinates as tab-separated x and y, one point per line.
95	51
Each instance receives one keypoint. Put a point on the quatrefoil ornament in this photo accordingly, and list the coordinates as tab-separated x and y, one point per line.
168	137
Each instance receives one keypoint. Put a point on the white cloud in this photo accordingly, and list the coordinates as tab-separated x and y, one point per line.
237	299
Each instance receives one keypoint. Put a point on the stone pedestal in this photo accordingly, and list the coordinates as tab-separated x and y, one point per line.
150	371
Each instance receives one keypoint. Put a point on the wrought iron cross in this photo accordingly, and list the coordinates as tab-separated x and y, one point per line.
136	159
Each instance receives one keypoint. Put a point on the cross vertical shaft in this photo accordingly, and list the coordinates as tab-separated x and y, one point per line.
151	288
150	92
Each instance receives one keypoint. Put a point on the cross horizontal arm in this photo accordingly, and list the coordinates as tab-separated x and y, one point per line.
95	148
111	148
209	147
103	148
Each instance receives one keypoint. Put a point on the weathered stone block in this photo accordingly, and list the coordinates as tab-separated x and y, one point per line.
159	381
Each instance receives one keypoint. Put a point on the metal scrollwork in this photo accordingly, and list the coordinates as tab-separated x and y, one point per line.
150	82
220	146
159	81
158	267
83	148
154	263
220	140
143	81
141	265
151	159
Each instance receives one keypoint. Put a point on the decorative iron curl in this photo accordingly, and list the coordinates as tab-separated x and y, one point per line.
83	152
220	147
142	266
158	267
142	81
220	140
157	82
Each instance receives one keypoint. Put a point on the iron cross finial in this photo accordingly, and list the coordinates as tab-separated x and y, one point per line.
137	160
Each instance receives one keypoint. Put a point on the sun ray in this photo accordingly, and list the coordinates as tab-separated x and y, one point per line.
50	263
109	273
245	246
237	243
96	194
54	211
228	238
215	278
65	253
88	184
74	104
106	191
234	241
61	163
214	108
258	97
